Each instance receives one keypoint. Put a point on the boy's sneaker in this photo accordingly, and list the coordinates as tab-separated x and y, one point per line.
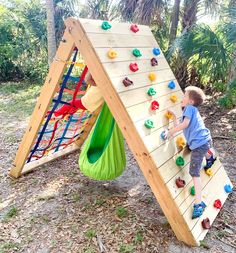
209	162
198	210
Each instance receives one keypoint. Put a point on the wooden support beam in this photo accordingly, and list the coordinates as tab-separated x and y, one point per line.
48	90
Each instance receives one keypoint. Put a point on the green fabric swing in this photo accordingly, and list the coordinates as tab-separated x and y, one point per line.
103	154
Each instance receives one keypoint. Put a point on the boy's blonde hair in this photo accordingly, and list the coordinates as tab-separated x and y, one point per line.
196	94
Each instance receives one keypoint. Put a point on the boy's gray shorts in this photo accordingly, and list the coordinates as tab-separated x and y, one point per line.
196	160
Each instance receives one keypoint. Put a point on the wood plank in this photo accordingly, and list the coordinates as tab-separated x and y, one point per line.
139	95
47	92
211	211
166	151
50	157
129	131
169	170
141	80
182	195
120	68
208	195
142	111
121	40
125	54
184	199
94	26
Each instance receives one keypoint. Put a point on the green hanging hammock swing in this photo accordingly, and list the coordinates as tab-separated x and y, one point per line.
103	154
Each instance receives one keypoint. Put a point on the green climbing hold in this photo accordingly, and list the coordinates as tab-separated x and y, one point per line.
136	53
180	161
106	25
151	92
149	124
192	191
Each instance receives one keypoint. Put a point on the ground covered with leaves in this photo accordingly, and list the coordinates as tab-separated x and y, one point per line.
57	209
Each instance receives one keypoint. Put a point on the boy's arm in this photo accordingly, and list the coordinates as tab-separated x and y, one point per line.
179	127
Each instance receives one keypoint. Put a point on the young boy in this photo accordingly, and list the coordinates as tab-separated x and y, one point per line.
198	138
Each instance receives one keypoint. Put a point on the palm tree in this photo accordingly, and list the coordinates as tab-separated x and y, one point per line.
174	21
51	37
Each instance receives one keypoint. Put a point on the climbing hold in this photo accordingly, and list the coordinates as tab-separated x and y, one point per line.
105	25
151	92
112	54
192	191
137	53
169	115
133	67
154	105
154	62
149	124
179	161
156	51
209	172
206	223
180	182
134	28
164	135
228	188
152	76
171	85
127	82
180	142
173	98
217	204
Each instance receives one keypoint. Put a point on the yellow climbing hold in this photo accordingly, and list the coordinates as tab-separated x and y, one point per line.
180	142
112	54
152	76
209	172
174	98
169	115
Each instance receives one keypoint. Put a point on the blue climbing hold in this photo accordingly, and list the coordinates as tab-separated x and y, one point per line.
228	188
163	135
156	51
171	85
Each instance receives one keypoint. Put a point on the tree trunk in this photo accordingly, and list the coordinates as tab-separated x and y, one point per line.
51	37
189	14
174	21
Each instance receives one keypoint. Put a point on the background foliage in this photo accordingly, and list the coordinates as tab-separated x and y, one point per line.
200	54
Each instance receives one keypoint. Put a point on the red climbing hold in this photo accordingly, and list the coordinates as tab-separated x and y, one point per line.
154	62
154	105
134	28
217	204
133	67
180	182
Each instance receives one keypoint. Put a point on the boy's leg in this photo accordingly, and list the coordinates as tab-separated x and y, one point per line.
210	157
197	156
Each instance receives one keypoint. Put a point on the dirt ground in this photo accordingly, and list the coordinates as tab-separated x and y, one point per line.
57	209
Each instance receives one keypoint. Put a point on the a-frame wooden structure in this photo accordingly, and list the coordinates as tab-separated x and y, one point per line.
130	107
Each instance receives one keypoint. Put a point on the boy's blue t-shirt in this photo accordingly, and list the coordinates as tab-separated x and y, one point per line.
196	133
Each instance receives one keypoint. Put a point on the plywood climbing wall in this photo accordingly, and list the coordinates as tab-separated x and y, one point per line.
131	106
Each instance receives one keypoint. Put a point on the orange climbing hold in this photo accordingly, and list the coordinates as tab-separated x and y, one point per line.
180	142
169	115
174	98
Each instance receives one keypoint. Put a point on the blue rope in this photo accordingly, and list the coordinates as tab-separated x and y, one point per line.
54	107
64	133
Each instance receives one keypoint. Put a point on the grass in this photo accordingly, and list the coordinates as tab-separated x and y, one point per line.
13	211
18	99
90	233
125	248
121	212
9	247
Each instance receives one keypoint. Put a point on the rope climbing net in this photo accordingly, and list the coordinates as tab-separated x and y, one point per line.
65	121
